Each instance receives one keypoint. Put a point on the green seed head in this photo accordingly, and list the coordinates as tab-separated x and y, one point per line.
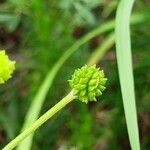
88	83
6	67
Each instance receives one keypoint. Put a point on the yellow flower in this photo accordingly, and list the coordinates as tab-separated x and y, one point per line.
6	67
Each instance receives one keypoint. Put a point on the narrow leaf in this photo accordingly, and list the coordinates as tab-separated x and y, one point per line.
124	59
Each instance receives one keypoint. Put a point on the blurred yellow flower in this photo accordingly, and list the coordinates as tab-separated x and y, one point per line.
6	67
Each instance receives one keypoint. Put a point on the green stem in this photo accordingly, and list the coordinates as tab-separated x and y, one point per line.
40	121
102	49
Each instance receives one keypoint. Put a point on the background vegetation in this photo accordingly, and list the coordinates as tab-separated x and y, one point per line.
36	34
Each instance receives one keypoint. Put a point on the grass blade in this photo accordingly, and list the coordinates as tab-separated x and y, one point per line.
124	59
102	49
39	98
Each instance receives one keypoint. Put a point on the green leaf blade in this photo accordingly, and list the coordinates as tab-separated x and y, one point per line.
124	59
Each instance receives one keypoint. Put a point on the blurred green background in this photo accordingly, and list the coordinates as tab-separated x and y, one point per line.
36	34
